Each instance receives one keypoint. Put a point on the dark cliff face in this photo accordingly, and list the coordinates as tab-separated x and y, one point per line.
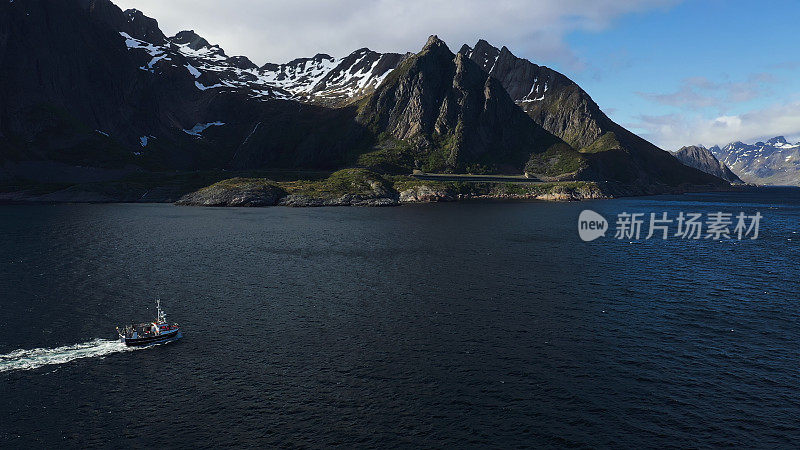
446	107
65	74
701	158
551	99
561	107
76	90
131	21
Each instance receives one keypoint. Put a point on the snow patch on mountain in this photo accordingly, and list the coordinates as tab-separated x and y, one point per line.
203	88
156	52
198	129
195	73
321	78
206	53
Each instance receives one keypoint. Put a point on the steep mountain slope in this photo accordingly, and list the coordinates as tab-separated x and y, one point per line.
701	158
105	96
81	86
83	83
774	162
563	108
552	99
449	115
68	82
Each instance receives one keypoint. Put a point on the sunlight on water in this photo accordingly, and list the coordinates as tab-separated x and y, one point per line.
38	357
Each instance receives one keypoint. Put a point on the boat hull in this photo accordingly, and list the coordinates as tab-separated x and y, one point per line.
152	340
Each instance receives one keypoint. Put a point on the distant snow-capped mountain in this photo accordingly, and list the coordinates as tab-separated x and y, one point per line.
775	161
320	79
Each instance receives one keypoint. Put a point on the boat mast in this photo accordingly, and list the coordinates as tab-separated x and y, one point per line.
161	317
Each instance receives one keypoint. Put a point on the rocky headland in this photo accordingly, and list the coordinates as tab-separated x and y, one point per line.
361	187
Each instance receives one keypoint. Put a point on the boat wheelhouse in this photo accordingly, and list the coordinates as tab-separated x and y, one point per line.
156	332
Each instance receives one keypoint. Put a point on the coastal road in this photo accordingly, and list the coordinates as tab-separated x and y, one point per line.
469	178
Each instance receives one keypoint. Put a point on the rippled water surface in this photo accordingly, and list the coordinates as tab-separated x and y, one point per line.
430	325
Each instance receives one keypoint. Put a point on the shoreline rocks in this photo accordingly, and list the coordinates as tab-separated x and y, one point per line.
235	192
425	194
345	200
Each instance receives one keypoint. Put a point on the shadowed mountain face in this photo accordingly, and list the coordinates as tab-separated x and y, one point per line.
561	107
549	97
85	83
68	82
454	116
80	86
701	158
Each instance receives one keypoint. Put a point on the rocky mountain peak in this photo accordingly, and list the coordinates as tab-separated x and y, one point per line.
316	59
550	98
703	159
777	140
435	44
483	47
483	53
143	27
242	62
190	38
692	148
132	21
454	116
561	107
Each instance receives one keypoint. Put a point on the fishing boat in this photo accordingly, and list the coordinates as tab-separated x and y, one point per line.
156	332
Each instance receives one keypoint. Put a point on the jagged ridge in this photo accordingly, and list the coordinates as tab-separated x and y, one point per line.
561	107
453	116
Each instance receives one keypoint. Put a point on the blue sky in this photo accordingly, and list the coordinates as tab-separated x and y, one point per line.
666	72
677	72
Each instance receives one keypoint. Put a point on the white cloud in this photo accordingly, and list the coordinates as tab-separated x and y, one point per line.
280	30
673	131
700	92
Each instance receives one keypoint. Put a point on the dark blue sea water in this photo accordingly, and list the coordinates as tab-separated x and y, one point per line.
454	325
